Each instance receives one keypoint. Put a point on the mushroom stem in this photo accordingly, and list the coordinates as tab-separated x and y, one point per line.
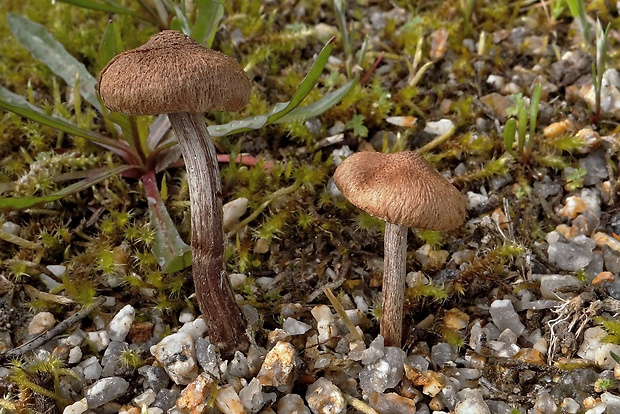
394	283
225	323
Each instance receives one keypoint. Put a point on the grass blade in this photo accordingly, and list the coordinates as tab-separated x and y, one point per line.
19	105
45	48
510	129
534	105
111	44
108	7
280	109
210	13
317	108
96	176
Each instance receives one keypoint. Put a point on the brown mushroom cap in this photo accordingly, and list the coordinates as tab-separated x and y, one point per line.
172	73
401	188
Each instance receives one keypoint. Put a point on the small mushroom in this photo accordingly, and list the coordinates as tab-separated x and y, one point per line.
405	191
172	74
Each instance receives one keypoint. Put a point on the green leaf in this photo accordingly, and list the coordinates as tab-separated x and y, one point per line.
108	7
302	113
280	109
510	130
172	253
45	48
534	104
210	13
522	124
19	105
111	44
96	176
179	21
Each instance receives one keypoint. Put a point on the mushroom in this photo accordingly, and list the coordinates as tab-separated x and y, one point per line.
172	74
405	191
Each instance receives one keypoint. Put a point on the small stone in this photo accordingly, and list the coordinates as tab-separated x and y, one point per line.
119	326
40	323
99	339
442	354
196	396
323	397
145	399
196	328
472	402
105	390
436	382
237	280
505	317
233	210
75	355
572	206
91	368
155	377
572	255
570	406
77	407
294	327
279	367
252	397
603	239
391	403
384	373
292	404
176	353
545	403
552	286
440	127
326	325
497	104
228	402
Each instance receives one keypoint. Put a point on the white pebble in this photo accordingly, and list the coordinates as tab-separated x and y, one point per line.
237	280
75	355
40	323
439	127
77	407
233	210
177	355
323	397
119	326
196	328
100	339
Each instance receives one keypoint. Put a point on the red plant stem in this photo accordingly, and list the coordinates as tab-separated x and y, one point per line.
395	258
216	299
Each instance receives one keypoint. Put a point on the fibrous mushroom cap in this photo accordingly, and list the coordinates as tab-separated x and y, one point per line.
401	188
172	73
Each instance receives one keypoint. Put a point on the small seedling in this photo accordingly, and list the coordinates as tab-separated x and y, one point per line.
517	125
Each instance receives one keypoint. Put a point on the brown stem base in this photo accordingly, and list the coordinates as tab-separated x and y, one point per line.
216	299
393	284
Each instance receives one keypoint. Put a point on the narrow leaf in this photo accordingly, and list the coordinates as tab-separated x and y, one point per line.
534	105
522	124
280	109
172	253
45	48
111	44
510	130
210	13
108	7
18	203
302	113
19	105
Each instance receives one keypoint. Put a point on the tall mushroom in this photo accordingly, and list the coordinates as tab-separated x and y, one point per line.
405	191
172	74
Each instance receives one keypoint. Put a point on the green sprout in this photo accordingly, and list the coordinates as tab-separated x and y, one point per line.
518	124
